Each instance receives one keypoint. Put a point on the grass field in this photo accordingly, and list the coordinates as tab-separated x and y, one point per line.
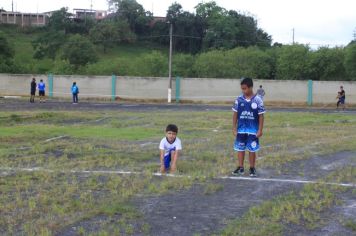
63	198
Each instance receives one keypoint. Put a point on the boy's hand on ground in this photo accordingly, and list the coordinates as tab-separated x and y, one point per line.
259	134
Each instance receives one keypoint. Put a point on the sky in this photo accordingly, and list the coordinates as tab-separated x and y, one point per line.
315	22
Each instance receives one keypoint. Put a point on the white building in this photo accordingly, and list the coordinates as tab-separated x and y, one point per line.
23	19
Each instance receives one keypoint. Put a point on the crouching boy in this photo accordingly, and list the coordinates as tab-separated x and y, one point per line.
170	147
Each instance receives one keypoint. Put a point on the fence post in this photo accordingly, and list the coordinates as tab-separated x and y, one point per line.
178	89
310	93
50	85
113	87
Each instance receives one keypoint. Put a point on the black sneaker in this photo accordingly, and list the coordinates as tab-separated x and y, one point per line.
253	172
238	171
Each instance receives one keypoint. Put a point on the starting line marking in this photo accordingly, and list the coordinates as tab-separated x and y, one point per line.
119	172
55	138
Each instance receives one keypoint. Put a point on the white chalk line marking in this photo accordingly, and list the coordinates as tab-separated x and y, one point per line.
119	172
55	138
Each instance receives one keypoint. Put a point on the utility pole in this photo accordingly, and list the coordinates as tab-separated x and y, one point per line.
12	5
293	36
170	62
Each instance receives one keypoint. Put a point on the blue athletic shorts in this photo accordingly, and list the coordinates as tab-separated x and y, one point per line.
167	160
247	142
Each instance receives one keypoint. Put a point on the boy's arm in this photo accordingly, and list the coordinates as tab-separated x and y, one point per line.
174	161
260	124
234	124
161	156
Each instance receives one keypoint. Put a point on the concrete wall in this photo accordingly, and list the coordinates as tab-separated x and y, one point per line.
143	88
89	86
18	85
192	89
326	91
227	89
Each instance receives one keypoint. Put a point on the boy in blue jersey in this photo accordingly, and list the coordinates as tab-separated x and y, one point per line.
170	146
41	90
247	126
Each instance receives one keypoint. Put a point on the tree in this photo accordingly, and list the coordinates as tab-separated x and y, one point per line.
60	20
80	26
48	44
236	63
7	53
229	29
350	60
79	51
292	62
187	30
327	64
134	13
108	34
251	62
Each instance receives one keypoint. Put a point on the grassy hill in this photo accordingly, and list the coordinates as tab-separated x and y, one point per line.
121	60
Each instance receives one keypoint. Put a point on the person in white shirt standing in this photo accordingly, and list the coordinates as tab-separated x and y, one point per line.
261	92
170	147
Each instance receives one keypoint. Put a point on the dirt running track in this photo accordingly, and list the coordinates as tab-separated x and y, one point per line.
22	105
193	211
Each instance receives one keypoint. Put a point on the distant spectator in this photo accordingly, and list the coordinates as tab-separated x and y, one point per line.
75	92
33	90
341	96
42	90
261	92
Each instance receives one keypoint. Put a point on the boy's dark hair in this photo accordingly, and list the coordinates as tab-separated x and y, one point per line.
172	128
74	83
41	80
247	81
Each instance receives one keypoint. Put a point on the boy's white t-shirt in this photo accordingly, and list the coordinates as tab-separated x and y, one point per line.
167	147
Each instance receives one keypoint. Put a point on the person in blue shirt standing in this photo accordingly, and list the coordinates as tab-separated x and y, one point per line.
75	92
248	119
42	90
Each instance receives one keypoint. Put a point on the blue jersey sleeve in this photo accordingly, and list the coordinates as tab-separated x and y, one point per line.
260	106
235	107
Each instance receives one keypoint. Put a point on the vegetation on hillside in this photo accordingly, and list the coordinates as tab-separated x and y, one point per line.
211	42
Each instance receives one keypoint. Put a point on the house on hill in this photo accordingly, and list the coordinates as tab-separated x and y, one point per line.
23	19
95	14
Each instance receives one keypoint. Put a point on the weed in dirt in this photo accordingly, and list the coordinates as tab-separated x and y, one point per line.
211	188
351	224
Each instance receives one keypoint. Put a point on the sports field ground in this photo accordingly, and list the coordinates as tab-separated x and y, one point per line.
92	169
